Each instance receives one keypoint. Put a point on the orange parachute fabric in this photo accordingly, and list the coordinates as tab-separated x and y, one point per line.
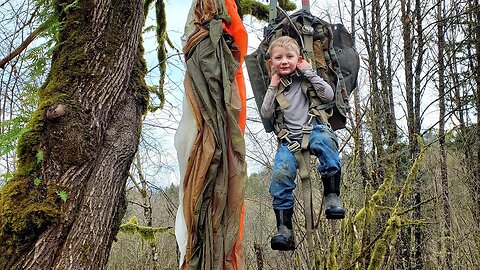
214	174
237	30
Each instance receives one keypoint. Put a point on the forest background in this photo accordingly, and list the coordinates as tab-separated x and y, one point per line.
410	150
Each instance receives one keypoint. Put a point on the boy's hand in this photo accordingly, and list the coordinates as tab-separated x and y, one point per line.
304	64
275	80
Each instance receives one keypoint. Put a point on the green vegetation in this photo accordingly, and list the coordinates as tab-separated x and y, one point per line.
146	233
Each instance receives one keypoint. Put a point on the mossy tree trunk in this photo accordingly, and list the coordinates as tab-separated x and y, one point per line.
63	207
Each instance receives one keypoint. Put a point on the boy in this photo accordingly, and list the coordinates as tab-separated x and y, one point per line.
289	106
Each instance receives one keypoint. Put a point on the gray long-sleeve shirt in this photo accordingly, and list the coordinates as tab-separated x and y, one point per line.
296	115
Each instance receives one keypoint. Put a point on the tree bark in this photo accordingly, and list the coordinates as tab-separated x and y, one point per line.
407	21
64	205
446	222
392	119
418	233
358	126
370	40
476	37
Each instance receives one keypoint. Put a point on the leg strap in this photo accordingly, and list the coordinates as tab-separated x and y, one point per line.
303	161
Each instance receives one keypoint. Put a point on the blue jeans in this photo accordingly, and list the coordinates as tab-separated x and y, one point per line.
323	144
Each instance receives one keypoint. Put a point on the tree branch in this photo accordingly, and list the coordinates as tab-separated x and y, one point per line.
22	46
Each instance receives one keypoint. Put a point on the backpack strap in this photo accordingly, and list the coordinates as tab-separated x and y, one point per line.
280	96
307	36
317	108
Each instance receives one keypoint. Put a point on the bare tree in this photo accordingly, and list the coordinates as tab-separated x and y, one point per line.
446	244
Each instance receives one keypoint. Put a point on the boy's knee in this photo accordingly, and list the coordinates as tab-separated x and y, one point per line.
282	178
322	137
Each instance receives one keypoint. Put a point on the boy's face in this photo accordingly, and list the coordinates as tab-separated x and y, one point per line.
283	60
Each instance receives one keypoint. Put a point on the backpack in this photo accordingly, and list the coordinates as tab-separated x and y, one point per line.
333	55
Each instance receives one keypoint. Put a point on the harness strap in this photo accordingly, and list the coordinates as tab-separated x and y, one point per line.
302	156
303	165
282	101
307	34
303	160
307	130
322	115
280	97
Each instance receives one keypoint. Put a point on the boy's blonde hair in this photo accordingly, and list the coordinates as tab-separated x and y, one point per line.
284	42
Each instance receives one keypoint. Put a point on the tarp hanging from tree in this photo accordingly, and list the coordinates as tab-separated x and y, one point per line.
209	141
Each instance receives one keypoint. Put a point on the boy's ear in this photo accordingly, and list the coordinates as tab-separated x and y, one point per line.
270	68
300	58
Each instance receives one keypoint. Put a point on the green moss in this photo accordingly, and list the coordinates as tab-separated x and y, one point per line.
25	208
25	212
332	254
27	205
261	11
161	51
137	80
28	145
146	6
146	233
389	235
350	246
289	6
254	8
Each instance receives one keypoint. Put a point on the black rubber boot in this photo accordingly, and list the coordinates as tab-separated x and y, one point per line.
331	191
284	238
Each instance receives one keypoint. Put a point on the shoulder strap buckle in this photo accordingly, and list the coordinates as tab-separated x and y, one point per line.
307	129
283	134
311	115
294	146
286	82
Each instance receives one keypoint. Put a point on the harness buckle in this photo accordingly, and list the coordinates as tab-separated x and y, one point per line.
284	135
285	81
294	146
311	116
307	129
307	30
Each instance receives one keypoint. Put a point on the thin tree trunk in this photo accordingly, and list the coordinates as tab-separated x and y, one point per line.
258	255
376	101
476	194
476	37
407	20
82	141
418	234
358	138
446	222
142	188
387	112
392	121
